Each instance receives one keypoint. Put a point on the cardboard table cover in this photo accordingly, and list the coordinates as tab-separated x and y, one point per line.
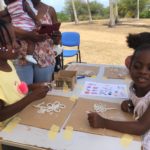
29	115
78	119
116	73
84	70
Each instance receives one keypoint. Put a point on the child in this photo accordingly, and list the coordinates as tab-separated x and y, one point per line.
24	16
14	95
139	102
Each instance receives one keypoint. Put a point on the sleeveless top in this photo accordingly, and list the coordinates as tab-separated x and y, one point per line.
140	106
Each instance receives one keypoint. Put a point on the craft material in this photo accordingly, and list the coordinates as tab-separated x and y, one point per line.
101	108
65	77
49	107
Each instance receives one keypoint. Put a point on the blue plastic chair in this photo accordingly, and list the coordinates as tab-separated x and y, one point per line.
71	39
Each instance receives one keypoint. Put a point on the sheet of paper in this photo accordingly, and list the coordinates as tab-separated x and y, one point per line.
105	90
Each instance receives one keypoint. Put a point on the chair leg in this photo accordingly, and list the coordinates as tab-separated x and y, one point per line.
62	61
79	57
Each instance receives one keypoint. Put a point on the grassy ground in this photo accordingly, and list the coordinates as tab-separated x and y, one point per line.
103	45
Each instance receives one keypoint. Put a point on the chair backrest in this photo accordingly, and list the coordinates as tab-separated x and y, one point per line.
70	39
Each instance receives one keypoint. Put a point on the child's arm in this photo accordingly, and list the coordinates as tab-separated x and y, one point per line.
30	12
10	110
138	127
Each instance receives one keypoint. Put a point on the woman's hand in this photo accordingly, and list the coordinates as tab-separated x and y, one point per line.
36	37
95	120
127	106
34	86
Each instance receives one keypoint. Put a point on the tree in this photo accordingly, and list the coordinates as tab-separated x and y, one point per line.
75	13
112	17
89	10
96	9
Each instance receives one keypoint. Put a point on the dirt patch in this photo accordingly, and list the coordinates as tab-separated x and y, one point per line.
103	45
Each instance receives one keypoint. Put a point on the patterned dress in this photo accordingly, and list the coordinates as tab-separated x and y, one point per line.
43	51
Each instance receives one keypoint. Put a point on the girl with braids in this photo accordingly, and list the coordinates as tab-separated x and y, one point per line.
14	94
139	97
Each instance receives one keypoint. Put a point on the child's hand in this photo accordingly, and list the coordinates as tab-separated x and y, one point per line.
40	92
95	120
127	106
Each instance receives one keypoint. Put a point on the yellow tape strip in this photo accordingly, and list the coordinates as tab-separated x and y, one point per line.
52	133
93	76
12	125
65	88
73	98
68	133
126	140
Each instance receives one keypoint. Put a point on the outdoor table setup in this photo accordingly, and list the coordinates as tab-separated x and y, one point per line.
59	121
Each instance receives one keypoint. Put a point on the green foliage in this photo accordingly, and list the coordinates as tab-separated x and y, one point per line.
145	14
63	17
128	8
97	10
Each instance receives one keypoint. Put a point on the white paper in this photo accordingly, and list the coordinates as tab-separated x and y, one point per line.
105	90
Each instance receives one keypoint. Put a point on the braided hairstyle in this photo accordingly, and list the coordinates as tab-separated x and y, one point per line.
3	31
139	42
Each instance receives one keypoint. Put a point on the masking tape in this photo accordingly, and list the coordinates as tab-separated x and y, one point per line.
12	125
68	133
52	133
65	88
93	76
126	140
73	98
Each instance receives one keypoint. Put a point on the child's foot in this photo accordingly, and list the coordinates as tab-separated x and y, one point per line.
30	58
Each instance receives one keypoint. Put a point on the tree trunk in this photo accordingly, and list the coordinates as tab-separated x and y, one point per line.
116	12
138	9
112	19
89	11
75	13
2	5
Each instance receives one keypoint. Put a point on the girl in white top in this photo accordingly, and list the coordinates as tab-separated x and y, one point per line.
139	102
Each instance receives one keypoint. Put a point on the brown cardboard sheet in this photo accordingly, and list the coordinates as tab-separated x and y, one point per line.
29	115
84	70
78	119
116	73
